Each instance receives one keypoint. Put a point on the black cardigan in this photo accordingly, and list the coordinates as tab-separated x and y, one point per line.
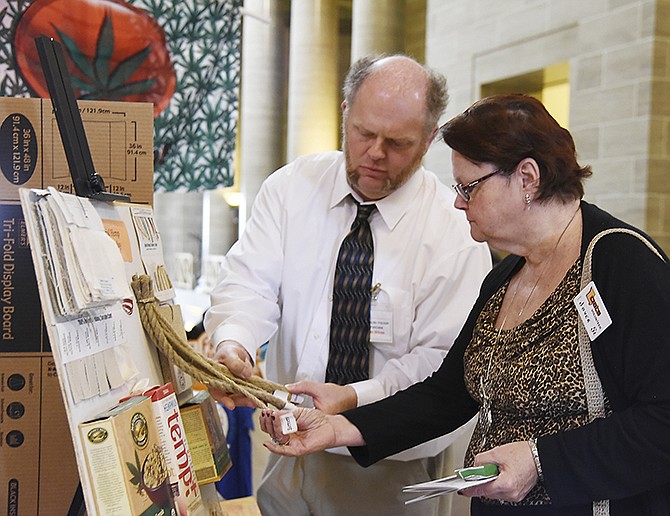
624	457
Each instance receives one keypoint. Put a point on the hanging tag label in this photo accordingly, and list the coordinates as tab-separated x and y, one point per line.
592	311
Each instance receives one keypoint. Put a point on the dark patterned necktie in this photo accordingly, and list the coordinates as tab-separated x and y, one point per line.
349	357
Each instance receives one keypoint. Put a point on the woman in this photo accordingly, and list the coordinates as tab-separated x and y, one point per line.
574	409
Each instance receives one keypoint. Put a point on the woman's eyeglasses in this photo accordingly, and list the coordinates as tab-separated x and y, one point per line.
464	190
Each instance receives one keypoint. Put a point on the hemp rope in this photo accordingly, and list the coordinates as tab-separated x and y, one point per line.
201	368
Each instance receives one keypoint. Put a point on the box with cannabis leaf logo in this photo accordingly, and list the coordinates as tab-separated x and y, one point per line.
125	461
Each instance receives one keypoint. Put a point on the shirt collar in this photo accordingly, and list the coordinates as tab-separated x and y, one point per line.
392	207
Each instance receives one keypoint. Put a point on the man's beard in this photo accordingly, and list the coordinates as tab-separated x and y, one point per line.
392	184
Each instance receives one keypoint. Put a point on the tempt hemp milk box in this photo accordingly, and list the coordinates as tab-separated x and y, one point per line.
125	461
176	450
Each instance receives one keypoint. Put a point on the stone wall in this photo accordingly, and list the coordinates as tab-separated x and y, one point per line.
618	53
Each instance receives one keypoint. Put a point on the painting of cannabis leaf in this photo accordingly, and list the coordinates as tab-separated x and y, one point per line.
195	136
98	79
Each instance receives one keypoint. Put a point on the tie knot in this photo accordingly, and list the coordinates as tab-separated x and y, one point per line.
364	211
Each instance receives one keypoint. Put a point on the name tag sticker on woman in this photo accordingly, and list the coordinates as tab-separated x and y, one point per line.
592	311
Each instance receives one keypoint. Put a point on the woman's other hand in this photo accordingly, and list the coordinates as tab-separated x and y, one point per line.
517	477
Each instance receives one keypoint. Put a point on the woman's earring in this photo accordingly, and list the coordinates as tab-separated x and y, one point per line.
528	199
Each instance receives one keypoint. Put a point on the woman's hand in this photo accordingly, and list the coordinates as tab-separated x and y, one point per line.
517	473
316	432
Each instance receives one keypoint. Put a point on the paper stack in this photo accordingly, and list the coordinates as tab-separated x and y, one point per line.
464	478
84	265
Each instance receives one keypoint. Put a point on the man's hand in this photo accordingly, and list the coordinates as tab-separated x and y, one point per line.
233	355
328	397
518	474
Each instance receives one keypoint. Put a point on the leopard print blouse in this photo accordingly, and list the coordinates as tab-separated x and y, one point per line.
534	383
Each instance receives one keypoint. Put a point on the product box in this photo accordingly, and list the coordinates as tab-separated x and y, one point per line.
206	438
125	461
176	450
212	500
119	135
38	472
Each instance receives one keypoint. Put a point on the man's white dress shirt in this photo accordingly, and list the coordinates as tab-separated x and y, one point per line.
277	280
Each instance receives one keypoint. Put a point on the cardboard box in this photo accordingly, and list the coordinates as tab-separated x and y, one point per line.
206	438
125	461
176	450
119	134
39	472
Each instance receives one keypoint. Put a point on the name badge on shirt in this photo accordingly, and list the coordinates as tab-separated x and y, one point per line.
592	311
381	317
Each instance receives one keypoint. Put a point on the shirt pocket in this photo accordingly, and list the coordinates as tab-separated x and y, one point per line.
395	303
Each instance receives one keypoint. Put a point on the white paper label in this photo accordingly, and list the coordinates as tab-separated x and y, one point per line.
381	324
592	311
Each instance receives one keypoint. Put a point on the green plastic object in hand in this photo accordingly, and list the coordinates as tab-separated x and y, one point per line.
478	472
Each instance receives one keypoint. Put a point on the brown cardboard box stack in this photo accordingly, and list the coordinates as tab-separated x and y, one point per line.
39	472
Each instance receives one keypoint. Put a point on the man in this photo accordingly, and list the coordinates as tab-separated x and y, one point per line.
278	281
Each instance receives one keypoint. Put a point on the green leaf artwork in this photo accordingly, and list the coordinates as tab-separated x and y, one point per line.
136	472
195	135
98	81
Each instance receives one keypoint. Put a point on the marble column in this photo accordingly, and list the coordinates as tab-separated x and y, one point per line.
313	98
377	26
262	96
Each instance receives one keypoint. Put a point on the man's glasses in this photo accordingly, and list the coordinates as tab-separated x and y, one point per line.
464	190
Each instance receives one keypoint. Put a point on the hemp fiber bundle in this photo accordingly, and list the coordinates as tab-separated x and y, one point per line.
212	374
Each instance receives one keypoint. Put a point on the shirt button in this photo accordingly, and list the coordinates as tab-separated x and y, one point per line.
316	336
